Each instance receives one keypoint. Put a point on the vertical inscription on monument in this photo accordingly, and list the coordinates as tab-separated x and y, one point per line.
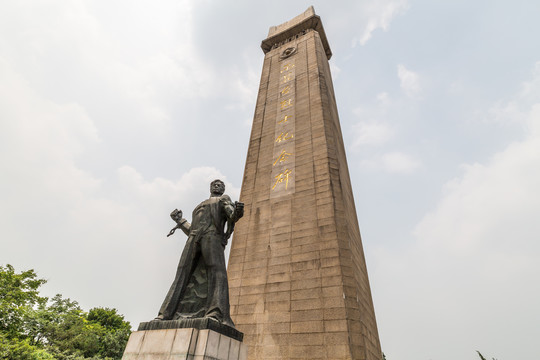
283	171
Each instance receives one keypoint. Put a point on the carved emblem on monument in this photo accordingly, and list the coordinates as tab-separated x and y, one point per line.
287	52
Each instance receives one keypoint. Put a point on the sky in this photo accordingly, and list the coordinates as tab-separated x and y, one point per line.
113	113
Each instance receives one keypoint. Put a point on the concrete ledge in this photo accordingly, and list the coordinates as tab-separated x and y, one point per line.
199	324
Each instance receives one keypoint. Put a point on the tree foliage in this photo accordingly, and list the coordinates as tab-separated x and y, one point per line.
33	327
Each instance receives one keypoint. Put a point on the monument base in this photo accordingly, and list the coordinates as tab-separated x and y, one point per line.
183	343
198	323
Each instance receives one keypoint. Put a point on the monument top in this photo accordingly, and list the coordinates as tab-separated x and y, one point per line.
307	20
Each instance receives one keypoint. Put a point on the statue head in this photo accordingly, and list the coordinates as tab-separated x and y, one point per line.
217	187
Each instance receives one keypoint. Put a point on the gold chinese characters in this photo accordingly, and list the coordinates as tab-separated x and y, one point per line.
283	165
284	136
282	177
282	157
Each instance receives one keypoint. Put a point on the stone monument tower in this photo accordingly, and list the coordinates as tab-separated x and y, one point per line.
298	282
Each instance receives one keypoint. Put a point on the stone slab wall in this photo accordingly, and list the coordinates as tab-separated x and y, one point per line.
181	344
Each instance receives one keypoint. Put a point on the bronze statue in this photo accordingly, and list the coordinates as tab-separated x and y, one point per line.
200	288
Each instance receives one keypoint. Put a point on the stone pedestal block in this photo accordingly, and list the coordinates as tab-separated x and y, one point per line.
180	344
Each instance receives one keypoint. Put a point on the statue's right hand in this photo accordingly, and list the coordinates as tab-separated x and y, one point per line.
176	215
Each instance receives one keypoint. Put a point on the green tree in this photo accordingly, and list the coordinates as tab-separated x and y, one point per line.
16	349
19	296
116	331
36	328
64	329
68	331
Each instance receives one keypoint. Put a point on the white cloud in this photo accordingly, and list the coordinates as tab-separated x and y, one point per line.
409	81
530	90
335	70
38	136
95	58
489	203
397	162
392	162
383	98
371	133
379	16
76	227
483	238
190	188
504	113
477	257
517	110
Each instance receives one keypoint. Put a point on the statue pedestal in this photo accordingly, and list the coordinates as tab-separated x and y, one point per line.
166	343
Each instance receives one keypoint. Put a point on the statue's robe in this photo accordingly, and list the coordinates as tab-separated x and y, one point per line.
200	288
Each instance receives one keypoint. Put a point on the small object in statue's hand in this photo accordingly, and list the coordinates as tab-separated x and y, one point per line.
176	215
172	231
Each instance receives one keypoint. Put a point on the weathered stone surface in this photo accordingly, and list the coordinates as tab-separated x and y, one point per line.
307	20
180	344
298	279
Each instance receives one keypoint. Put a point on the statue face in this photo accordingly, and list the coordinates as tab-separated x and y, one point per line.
217	187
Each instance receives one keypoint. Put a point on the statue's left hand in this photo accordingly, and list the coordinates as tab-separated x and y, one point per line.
239	206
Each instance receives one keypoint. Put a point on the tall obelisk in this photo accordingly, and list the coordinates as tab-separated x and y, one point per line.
299	286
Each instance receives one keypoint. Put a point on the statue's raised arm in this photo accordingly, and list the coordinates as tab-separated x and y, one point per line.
181	223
